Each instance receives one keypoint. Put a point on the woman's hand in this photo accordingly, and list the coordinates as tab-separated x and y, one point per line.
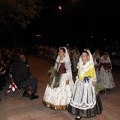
67	82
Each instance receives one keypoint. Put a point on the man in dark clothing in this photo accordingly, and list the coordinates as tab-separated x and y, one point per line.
22	77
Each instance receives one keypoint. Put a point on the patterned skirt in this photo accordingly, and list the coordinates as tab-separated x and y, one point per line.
92	112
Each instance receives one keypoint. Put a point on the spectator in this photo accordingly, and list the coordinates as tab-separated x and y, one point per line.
22	77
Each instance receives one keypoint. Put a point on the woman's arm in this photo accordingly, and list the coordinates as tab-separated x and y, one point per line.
56	65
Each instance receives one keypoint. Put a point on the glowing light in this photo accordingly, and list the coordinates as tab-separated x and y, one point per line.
60	8
38	35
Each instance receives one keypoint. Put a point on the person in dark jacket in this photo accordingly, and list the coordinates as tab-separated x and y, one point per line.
22	77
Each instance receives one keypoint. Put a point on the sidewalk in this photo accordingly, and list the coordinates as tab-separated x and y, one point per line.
16	108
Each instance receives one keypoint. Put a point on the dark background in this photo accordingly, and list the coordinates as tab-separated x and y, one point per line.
84	23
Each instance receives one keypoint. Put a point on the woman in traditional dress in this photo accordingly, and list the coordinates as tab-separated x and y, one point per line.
97	56
96	65
54	51
105	79
41	50
75	59
85	101
59	89
47	51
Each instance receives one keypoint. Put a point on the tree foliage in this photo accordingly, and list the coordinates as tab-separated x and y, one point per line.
20	12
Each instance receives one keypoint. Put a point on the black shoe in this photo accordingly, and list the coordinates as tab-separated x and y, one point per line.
33	97
78	118
26	94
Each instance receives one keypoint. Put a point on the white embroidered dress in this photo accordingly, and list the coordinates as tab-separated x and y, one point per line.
75	59
105	77
84	96
59	98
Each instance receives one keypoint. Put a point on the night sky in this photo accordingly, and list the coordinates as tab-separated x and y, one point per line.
76	22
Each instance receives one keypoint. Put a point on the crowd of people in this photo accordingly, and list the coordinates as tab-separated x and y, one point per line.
94	74
7	57
13	63
102	63
80	97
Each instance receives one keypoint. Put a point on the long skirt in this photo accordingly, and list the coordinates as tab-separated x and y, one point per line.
58	98
92	112
105	79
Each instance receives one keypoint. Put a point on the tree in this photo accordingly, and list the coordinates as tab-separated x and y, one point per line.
17	14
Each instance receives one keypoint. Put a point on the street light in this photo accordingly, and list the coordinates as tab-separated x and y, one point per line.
59	7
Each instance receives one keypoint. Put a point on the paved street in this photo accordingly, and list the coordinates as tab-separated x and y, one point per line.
13	107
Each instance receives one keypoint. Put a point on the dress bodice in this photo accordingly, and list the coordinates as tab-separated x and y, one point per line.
61	69
86	71
105	65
